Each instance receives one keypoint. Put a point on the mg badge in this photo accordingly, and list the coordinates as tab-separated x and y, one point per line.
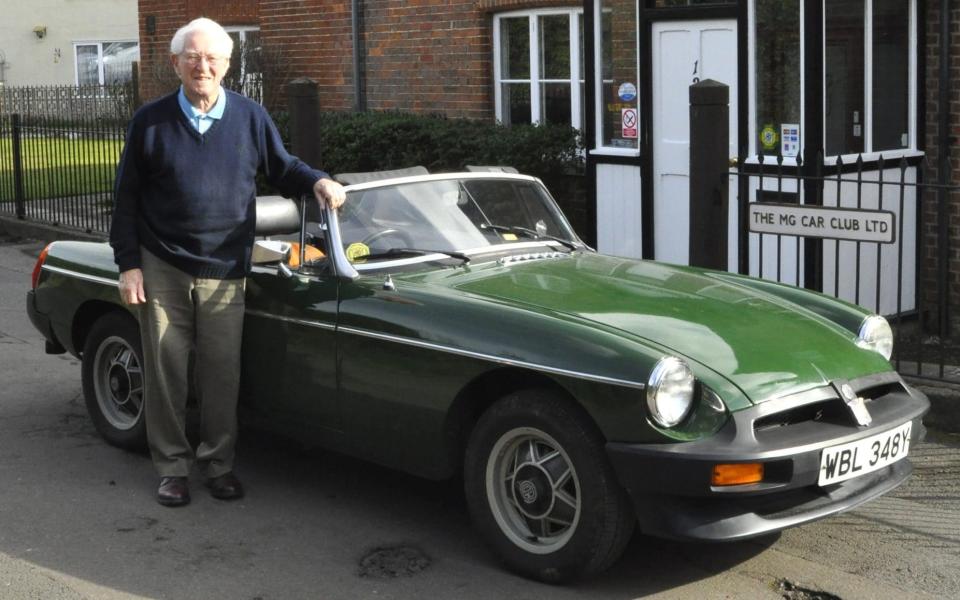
528	491
857	408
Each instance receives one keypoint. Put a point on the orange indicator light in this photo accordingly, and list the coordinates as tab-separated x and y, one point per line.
737	474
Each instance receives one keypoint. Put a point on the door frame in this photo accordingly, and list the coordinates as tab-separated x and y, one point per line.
646	19
663	112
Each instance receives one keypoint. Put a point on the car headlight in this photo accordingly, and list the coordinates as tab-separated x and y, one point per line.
670	391
875	334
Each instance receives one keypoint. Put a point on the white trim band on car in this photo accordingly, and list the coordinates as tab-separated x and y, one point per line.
459	351
490	357
84	276
304	322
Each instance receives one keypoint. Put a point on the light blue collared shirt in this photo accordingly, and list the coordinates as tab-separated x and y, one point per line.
202	121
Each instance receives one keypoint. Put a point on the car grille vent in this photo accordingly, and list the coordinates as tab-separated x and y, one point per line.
532	256
880	390
827	411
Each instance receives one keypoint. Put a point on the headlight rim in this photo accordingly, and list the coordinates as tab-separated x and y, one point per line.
867	335
664	367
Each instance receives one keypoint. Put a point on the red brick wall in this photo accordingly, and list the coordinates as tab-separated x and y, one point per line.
931	243
429	56
314	36
426	56
156	73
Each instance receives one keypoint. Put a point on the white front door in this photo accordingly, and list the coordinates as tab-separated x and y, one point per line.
684	52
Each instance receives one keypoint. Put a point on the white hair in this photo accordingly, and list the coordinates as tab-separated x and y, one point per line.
222	42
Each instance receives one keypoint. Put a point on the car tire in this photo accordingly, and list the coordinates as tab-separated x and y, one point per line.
113	381
564	516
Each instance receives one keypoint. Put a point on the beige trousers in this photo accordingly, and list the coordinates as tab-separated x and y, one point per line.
185	314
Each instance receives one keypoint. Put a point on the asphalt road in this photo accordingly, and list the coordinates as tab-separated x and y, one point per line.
78	519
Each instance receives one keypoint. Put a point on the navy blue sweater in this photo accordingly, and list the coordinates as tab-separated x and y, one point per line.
189	198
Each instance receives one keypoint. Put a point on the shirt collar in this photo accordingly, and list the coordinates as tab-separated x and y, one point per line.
194	114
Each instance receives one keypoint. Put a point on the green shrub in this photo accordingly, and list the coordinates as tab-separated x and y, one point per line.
373	141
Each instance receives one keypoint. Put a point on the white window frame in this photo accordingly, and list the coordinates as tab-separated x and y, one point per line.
752	150
241	31
868	153
99	44
576	76
868	80
599	148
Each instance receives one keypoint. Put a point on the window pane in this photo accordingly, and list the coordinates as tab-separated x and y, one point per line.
247	51
555	47
583	73
88	72
672	3
891	57
555	103
620	68
606	44
516	103
515	48
118	58
778	72
844	86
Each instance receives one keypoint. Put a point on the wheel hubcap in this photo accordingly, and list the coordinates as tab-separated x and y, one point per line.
118	383
533	490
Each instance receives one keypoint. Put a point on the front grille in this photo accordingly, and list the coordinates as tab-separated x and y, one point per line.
831	410
826	411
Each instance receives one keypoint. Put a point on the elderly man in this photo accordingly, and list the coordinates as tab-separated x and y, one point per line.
182	232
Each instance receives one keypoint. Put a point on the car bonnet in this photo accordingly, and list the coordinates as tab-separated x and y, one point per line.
765	345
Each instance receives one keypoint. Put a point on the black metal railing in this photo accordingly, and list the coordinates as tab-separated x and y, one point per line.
905	272
59	149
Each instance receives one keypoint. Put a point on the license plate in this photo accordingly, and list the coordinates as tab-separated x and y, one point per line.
846	461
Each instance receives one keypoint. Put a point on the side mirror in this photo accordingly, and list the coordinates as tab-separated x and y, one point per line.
266	252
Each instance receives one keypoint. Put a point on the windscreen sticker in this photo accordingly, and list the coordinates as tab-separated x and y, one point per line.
357	251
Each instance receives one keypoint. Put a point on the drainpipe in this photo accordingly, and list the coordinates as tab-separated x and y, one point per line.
943	170
360	101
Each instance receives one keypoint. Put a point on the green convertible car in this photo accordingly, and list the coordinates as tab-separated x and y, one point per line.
455	324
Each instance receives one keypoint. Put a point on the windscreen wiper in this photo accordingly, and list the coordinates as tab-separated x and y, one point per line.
394	252
525	231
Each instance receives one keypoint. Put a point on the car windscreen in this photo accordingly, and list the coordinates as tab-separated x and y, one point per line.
450	215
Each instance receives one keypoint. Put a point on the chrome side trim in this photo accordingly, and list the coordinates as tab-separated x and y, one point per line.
431	346
489	357
304	322
83	276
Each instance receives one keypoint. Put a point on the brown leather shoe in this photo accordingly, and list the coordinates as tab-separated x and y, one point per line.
173	491
225	487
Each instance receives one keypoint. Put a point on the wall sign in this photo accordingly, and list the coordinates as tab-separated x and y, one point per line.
768	137
789	139
823	222
628	120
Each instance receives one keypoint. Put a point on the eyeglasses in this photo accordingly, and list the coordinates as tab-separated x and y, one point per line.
193	59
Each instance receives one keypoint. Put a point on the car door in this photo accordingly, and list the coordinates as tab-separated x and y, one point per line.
396	382
289	360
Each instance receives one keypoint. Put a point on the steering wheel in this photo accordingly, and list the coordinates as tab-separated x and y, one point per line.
376	235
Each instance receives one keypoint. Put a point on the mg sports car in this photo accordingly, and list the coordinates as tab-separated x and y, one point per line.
455	325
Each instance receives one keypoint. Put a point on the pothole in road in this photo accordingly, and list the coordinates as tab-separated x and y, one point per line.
791	591
393	561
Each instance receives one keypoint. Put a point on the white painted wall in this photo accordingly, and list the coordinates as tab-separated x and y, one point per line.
619	210
840	259
51	60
